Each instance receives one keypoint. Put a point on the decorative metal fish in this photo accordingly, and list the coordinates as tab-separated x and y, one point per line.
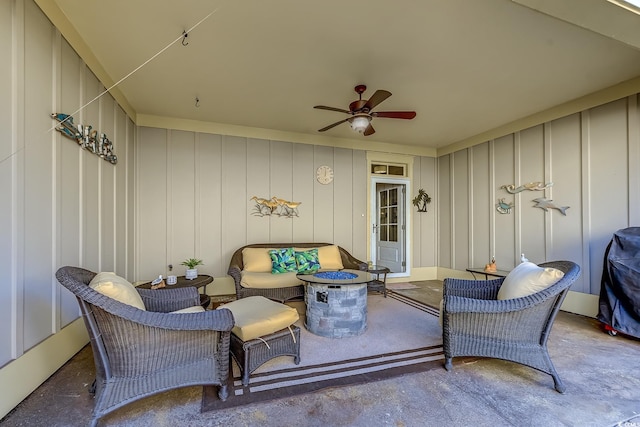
504	208
531	186
546	204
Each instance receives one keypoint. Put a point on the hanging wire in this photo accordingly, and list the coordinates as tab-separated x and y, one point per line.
182	36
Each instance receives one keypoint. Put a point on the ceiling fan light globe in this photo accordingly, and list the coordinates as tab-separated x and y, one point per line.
359	124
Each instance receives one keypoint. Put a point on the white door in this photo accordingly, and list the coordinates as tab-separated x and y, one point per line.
390	227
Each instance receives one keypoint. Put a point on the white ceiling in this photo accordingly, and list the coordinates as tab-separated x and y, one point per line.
464	66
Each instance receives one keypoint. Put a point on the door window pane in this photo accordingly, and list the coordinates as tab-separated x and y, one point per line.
396	170
383	216
393	218
393	233
393	197
383	233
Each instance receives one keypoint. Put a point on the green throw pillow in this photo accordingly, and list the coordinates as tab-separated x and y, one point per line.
308	260
283	261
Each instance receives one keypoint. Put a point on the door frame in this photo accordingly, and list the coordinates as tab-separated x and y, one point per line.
373	210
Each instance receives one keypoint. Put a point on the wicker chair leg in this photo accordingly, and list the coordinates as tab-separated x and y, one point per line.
92	389
223	392
558	384
448	365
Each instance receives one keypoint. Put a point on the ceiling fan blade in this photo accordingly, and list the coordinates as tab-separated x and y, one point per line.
408	115
369	130
377	98
333	125
324	107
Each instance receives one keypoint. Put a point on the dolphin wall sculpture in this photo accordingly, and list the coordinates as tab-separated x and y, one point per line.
546	204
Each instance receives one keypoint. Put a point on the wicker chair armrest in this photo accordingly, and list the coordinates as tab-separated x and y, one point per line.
168	300
212	320
209	320
236	273
496	323
349	261
456	304
477	289
138	349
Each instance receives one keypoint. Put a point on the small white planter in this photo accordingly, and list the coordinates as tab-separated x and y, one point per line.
191	273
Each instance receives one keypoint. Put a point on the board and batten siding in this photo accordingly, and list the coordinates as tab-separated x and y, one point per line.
593	160
424	236
62	205
194	192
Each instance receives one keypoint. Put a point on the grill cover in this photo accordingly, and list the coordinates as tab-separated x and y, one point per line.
620	289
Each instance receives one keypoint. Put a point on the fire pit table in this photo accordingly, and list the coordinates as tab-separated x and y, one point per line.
336	302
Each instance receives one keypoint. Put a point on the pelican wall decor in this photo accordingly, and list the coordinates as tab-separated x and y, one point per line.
275	206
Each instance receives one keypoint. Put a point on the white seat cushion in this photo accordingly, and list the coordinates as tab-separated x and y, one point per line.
258	316
527	279
250	279
118	288
194	309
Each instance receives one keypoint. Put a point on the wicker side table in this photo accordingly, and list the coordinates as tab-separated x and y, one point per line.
201	281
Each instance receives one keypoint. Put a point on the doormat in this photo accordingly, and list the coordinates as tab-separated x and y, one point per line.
403	336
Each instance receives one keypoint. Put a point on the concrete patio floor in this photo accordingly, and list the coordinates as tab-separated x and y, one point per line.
601	374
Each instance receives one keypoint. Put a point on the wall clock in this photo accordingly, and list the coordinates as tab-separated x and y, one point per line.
324	174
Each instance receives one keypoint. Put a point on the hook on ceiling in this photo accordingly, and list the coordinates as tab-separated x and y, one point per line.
197	102
184	38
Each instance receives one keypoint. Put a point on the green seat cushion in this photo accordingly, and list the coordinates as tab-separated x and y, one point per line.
258	316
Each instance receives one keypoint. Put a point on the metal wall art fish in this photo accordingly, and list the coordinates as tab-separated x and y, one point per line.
546	204
531	186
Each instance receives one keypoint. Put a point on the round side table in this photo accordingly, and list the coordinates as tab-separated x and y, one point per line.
378	284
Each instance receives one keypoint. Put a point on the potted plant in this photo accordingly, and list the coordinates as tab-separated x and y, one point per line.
191	264
421	200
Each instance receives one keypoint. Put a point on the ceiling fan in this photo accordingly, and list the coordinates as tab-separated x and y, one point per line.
360	112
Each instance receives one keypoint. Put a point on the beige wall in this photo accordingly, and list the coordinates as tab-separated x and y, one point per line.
61	204
591	157
190	196
195	189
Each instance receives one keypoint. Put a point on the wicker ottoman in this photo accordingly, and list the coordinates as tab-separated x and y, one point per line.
263	330
250	355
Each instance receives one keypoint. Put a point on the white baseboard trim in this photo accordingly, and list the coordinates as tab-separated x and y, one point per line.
22	376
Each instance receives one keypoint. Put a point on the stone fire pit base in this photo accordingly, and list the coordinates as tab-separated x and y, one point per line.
336	311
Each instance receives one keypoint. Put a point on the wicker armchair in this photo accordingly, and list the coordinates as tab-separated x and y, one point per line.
475	323
138	353
292	293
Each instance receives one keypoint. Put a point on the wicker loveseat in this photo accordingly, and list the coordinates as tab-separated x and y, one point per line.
138	352
291	289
